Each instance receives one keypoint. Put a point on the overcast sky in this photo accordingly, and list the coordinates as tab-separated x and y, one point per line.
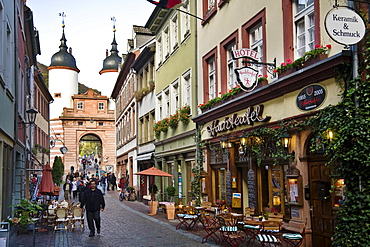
88	29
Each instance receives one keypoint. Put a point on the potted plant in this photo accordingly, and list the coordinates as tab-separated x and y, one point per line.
153	204
170	208
24	214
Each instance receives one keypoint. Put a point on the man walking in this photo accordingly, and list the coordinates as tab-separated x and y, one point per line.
93	201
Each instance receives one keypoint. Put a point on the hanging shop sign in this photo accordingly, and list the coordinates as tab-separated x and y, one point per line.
251	116
311	97
247	77
344	25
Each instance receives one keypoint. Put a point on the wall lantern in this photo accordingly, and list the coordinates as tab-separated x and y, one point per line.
285	140
63	150
224	142
31	116
330	135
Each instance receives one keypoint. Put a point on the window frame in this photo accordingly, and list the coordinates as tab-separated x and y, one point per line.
225	44
210	55
99	104
303	16
80	105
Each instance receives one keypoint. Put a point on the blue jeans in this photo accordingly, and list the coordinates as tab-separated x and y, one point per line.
103	188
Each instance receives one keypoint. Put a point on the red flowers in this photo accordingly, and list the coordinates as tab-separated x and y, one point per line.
328	46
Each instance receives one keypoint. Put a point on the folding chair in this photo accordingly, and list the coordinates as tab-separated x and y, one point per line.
270	233
295	239
230	234
211	226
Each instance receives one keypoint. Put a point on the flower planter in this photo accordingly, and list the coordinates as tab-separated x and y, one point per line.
287	72
170	210
153	206
316	59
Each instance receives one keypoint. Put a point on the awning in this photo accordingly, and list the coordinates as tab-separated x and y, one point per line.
147	156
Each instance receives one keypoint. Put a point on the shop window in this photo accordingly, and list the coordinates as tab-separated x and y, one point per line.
339	192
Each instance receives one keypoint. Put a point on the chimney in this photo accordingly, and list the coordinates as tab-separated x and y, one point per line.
70	50
106	53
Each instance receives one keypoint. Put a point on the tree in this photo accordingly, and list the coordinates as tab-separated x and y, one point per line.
57	170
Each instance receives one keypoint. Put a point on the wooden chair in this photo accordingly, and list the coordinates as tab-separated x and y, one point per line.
270	233
187	209
211	227
295	239
206	204
64	204
230	234
61	219
248	212
77	218
276	217
51	215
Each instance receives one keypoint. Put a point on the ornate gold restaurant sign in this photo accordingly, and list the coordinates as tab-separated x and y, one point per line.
251	116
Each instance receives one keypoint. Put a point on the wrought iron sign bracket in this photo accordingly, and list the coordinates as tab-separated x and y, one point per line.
270	67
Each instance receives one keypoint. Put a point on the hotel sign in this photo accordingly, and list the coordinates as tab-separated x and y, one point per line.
251	116
345	26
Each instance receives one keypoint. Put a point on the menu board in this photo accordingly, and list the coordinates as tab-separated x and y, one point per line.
228	186
252	197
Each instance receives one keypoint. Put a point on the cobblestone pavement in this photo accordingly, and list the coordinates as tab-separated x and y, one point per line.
123	224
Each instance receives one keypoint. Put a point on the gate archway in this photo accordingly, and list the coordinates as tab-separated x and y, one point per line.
90	152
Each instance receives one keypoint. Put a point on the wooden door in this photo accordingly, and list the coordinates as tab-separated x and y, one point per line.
322	217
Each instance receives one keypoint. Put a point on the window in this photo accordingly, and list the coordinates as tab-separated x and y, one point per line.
256	43
186	81
304	26
101	123
209	75
175	96
80	123
166	45
211	78
231	65
159	107
209	8
174	30
1	36
101	106
167	102
80	105
160	51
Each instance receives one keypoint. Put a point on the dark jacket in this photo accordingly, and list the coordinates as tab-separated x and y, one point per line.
70	186
93	200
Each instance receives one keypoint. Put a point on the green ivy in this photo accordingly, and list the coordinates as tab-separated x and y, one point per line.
195	183
349	152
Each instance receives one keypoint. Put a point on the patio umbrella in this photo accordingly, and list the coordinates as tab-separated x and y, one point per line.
46	184
152	171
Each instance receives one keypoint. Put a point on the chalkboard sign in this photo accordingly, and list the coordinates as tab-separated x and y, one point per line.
294	212
311	97
228	187
252	189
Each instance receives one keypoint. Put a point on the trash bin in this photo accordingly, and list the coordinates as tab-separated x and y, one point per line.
4	234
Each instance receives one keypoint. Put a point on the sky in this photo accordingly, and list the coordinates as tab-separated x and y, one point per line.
88	30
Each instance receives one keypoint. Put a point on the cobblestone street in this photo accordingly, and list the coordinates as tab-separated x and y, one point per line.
123	224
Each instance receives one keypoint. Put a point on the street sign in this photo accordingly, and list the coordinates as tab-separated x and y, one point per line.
344	25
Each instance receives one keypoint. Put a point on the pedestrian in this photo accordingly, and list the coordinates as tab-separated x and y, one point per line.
72	169
74	188
67	188
122	182
56	191
109	176
103	183
81	189
93	201
113	181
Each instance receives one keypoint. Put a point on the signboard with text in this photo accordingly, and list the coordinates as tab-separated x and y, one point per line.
311	97
345	26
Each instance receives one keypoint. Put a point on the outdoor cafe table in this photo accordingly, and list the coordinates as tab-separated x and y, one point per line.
187	220
251	227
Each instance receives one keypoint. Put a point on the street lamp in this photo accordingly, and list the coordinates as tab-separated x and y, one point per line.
31	116
63	150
